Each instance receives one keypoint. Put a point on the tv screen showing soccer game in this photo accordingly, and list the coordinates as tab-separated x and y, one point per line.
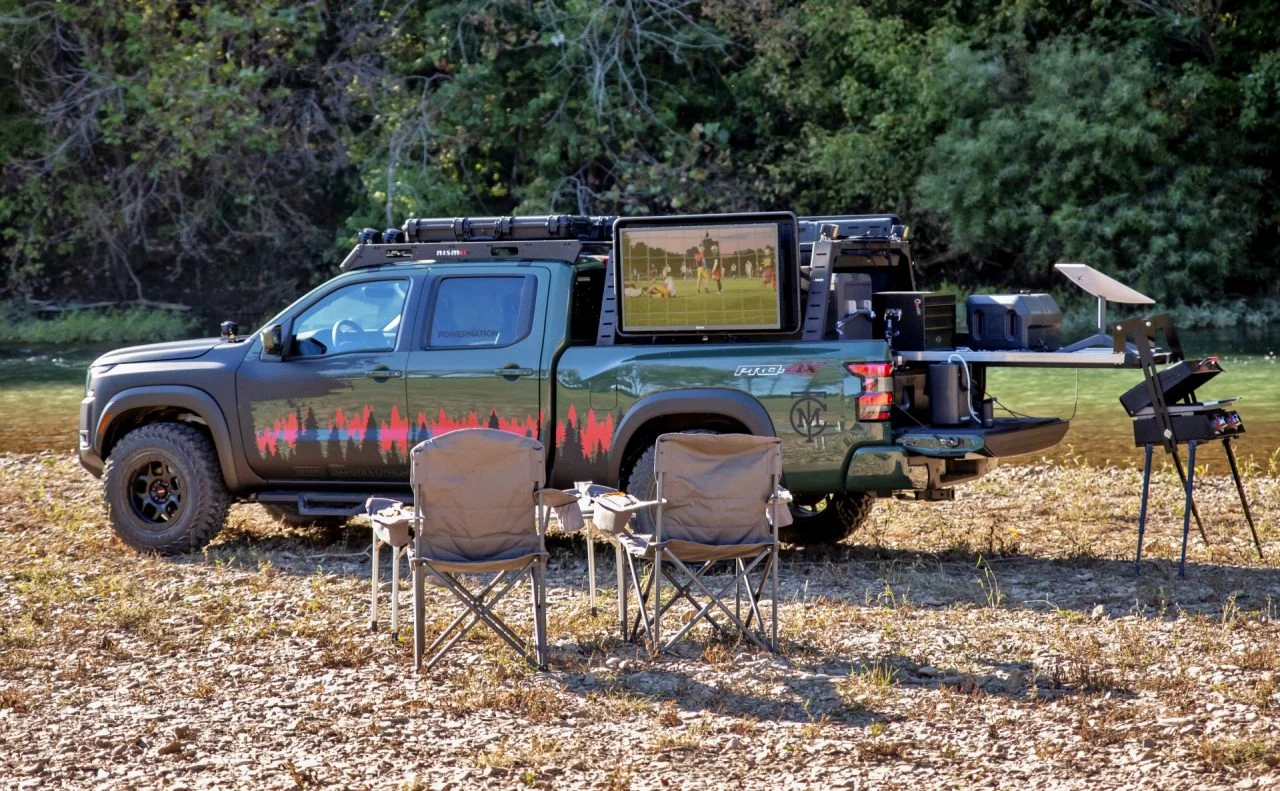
698	274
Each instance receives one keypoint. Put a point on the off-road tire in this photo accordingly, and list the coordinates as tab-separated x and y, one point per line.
839	517
290	516
643	485
191	458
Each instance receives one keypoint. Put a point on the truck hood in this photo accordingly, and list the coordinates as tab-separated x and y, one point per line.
157	352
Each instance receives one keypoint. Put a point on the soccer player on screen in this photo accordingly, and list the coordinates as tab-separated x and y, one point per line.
717	268
700	263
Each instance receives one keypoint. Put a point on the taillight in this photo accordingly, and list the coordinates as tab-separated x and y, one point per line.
875	402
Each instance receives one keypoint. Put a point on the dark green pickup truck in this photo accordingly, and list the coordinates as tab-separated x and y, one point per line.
423	334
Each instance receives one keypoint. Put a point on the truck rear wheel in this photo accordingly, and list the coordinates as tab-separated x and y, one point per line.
642	484
164	489
826	519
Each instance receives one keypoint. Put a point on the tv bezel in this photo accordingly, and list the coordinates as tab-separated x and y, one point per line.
787	272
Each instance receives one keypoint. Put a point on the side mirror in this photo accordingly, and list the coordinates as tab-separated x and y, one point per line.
273	340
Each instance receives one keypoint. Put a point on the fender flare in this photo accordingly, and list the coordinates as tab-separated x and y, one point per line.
721	401
192	399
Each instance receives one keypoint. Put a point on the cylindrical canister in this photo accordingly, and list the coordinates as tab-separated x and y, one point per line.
943	383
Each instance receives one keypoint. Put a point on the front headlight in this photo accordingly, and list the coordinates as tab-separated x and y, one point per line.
93	373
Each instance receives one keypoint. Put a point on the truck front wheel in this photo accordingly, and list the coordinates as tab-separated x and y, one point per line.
826	519
164	489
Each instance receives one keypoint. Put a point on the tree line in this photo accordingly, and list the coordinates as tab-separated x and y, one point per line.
222	154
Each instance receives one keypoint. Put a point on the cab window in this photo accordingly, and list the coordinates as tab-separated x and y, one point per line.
360	317
483	311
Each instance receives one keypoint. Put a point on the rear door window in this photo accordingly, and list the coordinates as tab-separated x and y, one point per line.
488	311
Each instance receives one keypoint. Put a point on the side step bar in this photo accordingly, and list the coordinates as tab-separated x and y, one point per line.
328	503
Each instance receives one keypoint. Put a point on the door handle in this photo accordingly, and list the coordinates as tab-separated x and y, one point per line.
512	372
382	372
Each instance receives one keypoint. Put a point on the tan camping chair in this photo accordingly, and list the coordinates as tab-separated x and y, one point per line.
718	499
474	494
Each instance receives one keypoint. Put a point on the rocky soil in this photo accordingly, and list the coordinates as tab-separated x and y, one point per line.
998	641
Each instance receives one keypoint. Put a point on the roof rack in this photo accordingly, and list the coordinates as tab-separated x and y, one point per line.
565	237
554	237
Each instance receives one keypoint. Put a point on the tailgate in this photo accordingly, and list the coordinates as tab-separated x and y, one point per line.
1013	436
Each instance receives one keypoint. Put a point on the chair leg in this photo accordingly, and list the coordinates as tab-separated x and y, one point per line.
591	569
773	606
657	602
737	591
395	590
373	588
622	589
539	575
642	588
471	601
419	614
715	601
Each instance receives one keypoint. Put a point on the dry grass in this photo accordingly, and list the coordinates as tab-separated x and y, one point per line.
1003	635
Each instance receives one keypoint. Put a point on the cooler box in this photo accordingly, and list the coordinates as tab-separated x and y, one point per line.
999	322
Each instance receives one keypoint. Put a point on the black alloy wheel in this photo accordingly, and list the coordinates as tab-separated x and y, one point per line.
156	492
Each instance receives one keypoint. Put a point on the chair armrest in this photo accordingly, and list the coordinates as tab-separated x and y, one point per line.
391	523
624	504
376	504
613	511
555	498
777	508
781	495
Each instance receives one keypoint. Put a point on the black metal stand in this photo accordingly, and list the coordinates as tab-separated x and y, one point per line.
1143	333
1188	482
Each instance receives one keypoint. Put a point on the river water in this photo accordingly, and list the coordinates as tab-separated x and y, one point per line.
41	388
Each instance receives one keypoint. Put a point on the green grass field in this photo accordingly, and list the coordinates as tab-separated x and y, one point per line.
743	303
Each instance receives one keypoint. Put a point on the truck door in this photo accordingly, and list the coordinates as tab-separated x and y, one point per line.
333	406
478	359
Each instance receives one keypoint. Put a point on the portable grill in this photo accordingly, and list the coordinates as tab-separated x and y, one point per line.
1165	412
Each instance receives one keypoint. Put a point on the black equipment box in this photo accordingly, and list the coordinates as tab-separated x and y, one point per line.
1176	383
1196	426
928	319
999	322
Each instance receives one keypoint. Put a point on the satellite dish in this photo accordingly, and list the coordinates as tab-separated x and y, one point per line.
1105	289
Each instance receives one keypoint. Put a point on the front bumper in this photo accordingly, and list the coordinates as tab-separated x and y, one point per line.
90	459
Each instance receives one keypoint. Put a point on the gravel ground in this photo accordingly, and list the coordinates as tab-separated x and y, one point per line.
998	641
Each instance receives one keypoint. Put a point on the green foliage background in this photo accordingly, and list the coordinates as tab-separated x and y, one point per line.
222	154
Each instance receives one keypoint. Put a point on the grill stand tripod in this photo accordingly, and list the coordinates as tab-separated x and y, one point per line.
1143	334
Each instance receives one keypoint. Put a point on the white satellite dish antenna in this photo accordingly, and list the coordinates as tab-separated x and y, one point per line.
1105	289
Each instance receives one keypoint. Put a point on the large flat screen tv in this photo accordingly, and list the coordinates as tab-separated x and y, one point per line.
706	274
